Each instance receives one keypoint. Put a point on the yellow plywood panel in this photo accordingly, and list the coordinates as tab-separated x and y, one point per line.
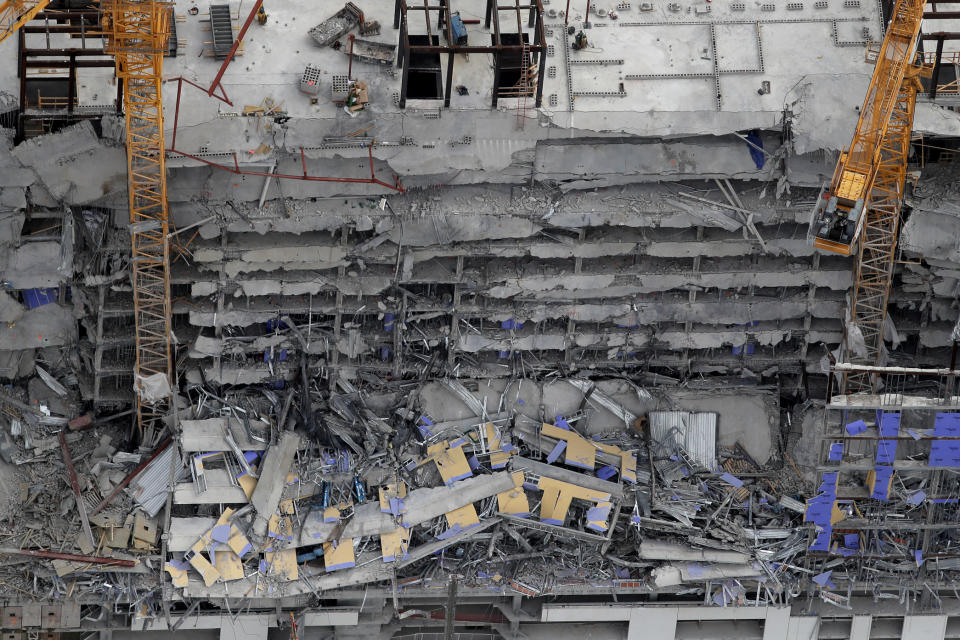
451	463
286	507
248	483
283	564
228	564
580	452
238	542
514	501
498	457
391	490
179	576
557	496
837	514
628	466
339	554
334	512
393	545
204	568
280	528
597	516
463	517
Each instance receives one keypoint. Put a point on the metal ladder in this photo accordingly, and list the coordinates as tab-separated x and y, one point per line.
523	84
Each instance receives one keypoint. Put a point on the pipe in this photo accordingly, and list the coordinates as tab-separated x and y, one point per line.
75	484
71	557
130	476
266	186
236	170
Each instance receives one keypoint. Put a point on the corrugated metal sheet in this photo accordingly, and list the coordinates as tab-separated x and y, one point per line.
149	488
695	433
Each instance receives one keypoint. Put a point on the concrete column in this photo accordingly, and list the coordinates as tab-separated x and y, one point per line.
653	623
860	627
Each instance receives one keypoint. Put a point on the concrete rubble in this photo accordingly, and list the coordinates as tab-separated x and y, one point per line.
533	357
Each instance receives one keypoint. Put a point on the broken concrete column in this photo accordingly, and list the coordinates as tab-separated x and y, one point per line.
657	550
273	475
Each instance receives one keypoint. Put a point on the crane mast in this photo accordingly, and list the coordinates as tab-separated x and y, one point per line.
136	33
865	196
16	13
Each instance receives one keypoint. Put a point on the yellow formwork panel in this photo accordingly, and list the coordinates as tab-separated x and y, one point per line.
339	554
463	517
394	545
557	496
580	452
514	501
284	563
451	463
228	565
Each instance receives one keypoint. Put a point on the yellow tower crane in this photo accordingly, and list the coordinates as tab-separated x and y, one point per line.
864	198
15	13
136	33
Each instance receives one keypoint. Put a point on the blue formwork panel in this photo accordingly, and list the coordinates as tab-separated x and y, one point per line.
33	298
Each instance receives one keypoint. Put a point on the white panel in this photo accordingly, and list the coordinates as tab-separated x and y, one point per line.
583	613
244	628
777	623
721	613
803	628
653	623
331	618
923	627
860	628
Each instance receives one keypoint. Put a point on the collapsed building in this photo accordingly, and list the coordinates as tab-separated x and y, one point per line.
482	327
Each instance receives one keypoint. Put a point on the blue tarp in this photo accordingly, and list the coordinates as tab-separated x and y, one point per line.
756	154
33	298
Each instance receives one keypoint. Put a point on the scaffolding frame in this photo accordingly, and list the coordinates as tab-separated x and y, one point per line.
444	10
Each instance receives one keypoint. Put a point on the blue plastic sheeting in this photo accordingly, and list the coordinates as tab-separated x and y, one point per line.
828	483
823	579
856	427
755	144
732	480
819	509
607	472
511	324
916	498
562	424
746	349
881	485
33	298
822	541
947	425
886	451
851	541
889	424
836	452
388	319
945	453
